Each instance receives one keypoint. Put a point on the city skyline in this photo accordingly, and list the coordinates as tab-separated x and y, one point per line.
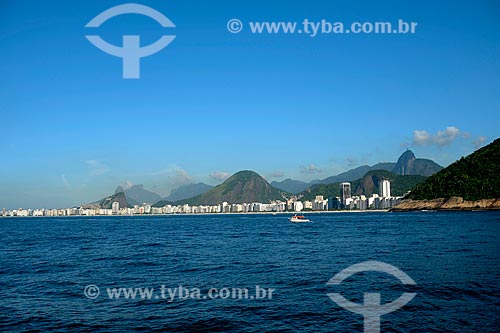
213	103
295	203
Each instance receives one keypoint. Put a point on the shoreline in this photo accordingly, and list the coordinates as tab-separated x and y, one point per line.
215	214
452	204
409	207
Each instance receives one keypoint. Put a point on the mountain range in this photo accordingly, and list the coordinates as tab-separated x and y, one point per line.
366	185
187	191
137	195
406	165
466	184
248	186
243	186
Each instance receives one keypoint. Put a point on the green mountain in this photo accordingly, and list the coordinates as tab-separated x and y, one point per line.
326	190
367	185
474	177
400	185
244	186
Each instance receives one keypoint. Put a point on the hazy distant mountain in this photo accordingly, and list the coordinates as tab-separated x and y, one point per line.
137	195
297	186
244	186
408	164
107	202
188	191
290	185
357	173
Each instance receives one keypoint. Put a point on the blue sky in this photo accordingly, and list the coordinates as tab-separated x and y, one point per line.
213	102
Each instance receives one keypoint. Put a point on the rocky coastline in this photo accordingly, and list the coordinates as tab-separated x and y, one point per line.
448	204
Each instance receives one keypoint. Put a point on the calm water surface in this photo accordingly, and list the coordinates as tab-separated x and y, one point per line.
46	263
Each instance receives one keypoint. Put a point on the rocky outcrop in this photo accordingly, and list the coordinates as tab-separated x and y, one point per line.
107	202
450	204
408	164
137	194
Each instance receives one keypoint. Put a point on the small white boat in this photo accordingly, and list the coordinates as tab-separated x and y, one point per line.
298	218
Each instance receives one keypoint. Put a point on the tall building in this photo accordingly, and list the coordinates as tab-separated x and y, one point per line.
333	203
298	206
319	203
115	207
345	192
385	188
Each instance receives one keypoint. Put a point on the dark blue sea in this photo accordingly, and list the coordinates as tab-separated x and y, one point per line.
46	265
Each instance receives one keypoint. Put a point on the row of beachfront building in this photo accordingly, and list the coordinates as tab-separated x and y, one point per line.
346	201
319	204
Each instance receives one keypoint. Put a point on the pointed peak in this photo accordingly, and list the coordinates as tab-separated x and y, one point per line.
408	154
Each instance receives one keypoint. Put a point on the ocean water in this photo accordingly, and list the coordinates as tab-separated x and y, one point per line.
46	264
